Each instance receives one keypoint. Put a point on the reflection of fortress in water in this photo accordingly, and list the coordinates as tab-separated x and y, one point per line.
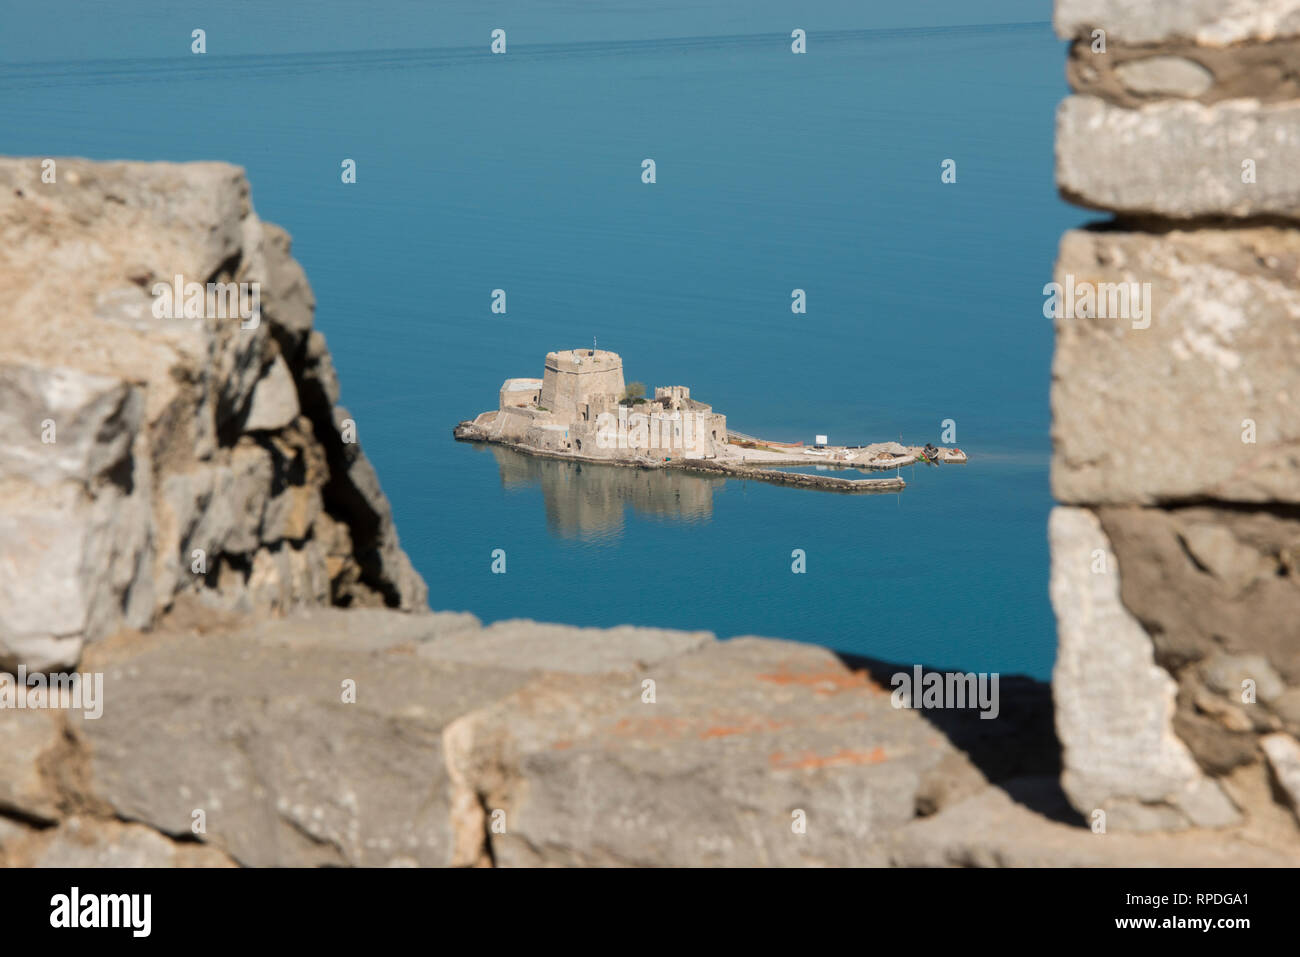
585	500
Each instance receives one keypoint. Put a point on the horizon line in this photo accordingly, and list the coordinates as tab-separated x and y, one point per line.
22	69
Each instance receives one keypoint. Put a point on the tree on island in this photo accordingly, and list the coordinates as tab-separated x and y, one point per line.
634	394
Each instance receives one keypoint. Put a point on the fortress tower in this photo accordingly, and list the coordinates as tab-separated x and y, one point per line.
574	409
573	376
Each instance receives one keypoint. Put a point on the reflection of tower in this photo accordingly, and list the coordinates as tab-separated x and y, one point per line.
587	501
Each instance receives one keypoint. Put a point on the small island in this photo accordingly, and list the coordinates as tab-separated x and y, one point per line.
582	410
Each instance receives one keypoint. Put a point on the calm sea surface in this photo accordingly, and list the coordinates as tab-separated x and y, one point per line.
775	172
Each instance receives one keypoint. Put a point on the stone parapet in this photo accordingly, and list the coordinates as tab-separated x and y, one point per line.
1175	401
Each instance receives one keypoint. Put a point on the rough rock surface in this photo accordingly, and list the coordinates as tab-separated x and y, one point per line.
1217	588
741	738
372	737
1211	22
1283	753
1022	825
1114	704
1175	429
1191	157
1203	402
29	740
260	737
1165	76
94	842
150	456
1130	76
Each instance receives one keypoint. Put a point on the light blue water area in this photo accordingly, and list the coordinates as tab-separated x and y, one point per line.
775	172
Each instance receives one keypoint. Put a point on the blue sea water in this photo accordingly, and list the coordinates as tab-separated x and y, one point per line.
523	172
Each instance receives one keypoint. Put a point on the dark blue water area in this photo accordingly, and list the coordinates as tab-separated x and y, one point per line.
775	171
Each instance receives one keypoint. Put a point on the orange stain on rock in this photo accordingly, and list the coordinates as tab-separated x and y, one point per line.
722	731
808	761
650	727
748	727
824	682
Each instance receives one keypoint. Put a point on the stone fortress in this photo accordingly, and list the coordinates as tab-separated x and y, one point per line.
580	408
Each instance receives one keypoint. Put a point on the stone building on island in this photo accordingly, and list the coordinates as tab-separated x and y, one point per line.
581	407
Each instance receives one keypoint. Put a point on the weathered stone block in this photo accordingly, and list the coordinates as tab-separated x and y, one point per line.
745	739
1114	704
995	829
147	397
1180	159
81	842
274	403
1213	22
256	732
1165	76
289	303
291	514
534	645
72	569
27	739
63	424
1130	76
1283	753
1214	588
1196	399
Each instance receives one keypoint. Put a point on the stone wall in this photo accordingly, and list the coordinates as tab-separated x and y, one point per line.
604	429
520	392
149	454
572	375
227	734
532	744
1176	424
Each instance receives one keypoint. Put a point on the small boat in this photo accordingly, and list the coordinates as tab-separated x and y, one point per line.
954	455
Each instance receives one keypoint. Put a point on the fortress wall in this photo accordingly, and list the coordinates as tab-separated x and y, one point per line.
578	384
569	377
512	423
677	395
664	434
520	392
597	404
583	437
1176	428
549	438
718	430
